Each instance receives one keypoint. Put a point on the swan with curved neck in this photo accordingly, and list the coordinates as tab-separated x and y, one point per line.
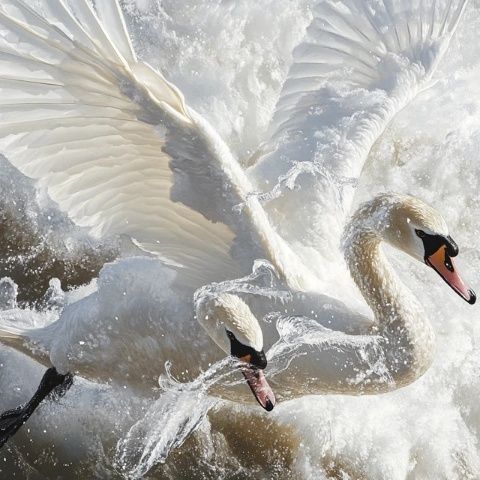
410	225
406	335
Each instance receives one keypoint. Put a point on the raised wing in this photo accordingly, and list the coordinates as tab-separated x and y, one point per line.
360	63
111	139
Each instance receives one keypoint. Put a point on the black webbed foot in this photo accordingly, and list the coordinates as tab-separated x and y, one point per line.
12	420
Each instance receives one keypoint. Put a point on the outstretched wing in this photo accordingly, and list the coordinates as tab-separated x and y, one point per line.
360	63
110	138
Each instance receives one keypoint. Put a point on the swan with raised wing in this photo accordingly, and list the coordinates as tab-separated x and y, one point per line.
117	148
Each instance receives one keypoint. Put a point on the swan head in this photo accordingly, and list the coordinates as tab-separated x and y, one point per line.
421	232
231	324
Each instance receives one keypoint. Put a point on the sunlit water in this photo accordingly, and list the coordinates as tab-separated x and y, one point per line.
230	58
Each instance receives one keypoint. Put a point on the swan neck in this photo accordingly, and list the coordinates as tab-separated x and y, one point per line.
372	274
399	316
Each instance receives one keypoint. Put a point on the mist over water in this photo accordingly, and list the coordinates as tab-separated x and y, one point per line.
230	58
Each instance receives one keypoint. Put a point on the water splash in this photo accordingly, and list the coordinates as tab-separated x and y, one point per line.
8	294
263	281
170	420
288	181
298	332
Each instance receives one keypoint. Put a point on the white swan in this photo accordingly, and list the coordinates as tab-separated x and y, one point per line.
398	346
117	148
362	355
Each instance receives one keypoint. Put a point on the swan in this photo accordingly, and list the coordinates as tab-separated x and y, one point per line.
400	335
115	145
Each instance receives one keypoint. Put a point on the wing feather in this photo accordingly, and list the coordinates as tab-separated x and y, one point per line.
82	115
360	63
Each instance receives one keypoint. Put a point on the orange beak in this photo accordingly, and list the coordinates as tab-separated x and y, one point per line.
444	265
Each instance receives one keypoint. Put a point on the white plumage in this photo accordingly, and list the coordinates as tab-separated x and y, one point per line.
361	62
80	114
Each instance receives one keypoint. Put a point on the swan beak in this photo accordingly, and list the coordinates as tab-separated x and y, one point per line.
259	386
444	265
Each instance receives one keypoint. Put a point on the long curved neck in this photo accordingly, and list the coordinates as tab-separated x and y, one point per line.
399	317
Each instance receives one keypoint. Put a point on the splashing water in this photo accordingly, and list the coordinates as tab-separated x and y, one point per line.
166	424
298	332
288	181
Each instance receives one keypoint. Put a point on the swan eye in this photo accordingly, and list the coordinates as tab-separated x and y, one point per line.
420	233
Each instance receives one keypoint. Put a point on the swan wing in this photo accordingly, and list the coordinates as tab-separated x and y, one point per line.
360	63
110	139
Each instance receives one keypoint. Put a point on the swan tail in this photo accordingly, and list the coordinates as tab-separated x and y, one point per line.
374	43
13	337
11	334
21	341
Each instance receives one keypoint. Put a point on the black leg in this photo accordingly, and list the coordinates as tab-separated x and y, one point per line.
12	420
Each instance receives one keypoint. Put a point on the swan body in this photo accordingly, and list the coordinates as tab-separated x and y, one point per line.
116	146
399	338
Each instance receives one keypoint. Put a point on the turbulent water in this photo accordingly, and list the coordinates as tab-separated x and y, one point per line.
229	58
